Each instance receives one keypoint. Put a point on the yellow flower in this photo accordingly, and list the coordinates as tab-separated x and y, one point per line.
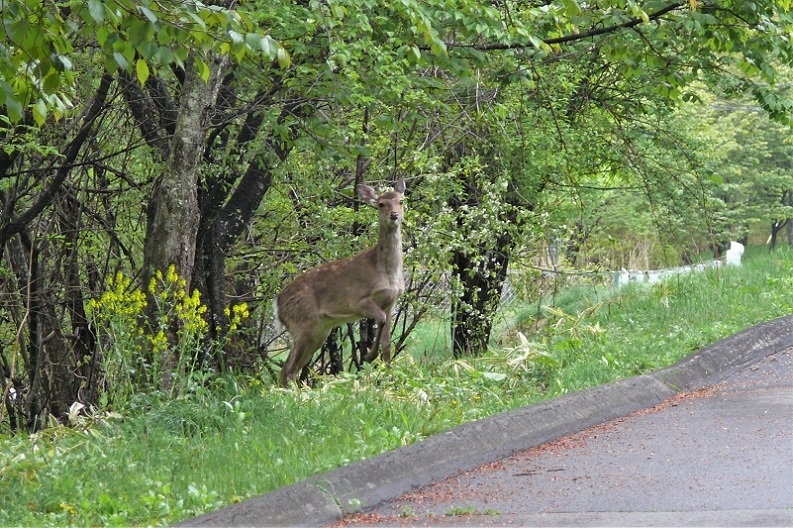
119	299
173	278
159	342
240	312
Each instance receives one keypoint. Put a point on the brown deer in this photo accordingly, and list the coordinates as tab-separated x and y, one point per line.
364	286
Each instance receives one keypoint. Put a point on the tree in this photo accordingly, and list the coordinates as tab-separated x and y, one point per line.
506	119
755	172
71	147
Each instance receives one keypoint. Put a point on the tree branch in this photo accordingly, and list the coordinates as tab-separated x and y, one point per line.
498	46
44	198
144	113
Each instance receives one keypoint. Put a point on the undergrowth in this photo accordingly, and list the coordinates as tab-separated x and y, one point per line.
160	459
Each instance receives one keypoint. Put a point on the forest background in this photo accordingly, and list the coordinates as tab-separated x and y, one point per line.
166	167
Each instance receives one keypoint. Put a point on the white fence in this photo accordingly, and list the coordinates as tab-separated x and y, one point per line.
623	277
733	257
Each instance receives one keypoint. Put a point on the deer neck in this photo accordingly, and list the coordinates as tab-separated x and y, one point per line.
389	252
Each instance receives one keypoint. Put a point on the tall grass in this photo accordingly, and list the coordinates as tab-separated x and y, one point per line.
159	460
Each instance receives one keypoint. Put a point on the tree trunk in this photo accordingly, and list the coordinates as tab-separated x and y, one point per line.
480	268
24	259
224	218
84	356
332	349
481	277
776	227
173	209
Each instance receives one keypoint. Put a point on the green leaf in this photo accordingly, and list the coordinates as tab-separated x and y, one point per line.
142	69
253	41
14	109
96	9
237	44
16	31
139	32
40	112
163	56
179	56
269	47
110	65
284	61
202	69
145	11
101	35
236	38
51	83
385	121
571	8
120	60
148	49
62	62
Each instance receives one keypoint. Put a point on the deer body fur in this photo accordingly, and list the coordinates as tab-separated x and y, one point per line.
364	286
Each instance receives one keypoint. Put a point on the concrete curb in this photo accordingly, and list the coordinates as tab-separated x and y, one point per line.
323	499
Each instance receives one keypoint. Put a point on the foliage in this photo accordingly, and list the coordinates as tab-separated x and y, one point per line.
39	62
585	129
754	170
136	354
118	315
157	460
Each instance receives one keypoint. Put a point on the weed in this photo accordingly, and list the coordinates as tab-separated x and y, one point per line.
462	510
157	459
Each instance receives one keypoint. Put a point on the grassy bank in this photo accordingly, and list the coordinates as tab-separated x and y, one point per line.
158	461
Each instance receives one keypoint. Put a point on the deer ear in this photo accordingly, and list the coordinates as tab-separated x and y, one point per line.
399	186
367	194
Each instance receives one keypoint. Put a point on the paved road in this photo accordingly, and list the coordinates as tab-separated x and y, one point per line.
718	456
705	442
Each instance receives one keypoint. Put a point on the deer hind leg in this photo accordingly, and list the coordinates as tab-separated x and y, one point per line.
371	310
371	355
382	337
303	348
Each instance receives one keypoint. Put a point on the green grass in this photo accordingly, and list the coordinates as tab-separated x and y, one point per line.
159	461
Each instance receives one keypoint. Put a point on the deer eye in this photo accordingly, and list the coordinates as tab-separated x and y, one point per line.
400	202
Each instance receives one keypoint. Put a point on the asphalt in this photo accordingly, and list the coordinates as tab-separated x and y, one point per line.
705	442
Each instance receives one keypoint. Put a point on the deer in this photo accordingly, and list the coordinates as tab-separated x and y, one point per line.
364	286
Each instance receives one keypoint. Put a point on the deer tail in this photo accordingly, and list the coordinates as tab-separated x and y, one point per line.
279	326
